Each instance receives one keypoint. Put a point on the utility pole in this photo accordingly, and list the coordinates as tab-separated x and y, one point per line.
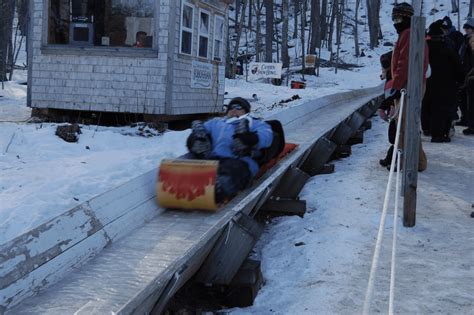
412	139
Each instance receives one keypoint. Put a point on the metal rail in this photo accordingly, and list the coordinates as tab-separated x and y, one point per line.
121	253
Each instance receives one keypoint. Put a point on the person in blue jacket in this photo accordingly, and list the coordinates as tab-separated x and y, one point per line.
233	140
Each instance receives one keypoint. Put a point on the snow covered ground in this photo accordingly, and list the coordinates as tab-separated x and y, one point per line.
42	176
320	264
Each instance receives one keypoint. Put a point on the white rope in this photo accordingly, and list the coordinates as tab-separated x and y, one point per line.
378	244
394	238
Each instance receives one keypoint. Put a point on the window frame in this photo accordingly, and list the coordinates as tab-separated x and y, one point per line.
79	50
221	57
183	28
200	34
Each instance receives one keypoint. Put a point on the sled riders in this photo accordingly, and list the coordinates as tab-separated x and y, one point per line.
236	140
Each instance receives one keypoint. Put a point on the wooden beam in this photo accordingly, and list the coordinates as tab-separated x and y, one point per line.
367	124
327	169
357	137
320	154
356	120
412	119
291	184
342	133
284	207
233	246
342	151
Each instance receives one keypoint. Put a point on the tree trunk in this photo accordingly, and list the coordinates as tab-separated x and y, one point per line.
268	30
284	35
296	7
373	8
331	25
258	6
340	22
303	32
315	26
323	20
237	41
356	29
454	6
6	22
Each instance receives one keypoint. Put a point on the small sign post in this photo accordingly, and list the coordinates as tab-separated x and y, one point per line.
260	70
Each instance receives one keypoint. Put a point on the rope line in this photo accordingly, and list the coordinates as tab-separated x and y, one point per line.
394	236
378	245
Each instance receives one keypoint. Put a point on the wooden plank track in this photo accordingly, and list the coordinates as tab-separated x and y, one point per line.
128	255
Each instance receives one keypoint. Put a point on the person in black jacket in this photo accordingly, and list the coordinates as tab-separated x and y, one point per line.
387	106
454	38
441	88
466	53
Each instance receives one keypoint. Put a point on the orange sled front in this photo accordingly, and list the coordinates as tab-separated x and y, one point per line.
187	184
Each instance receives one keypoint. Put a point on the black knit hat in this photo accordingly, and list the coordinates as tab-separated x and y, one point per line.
403	10
469	23
446	22
435	28
239	101
386	60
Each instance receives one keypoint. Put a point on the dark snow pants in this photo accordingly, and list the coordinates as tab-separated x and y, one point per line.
233	175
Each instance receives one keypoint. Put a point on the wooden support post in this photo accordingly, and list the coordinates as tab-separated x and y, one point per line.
245	285
357	137
326	169
412	119
356	120
233	246
320	154
367	124
284	207
366	111
342	151
342	133
291	184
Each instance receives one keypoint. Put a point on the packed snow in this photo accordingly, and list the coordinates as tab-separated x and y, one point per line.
42	176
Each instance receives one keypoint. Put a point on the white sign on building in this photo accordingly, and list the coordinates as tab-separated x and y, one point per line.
201	75
259	70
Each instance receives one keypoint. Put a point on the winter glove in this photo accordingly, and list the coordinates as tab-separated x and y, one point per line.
243	143
198	141
200	146
393	94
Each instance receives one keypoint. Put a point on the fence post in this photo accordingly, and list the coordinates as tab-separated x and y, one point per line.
412	119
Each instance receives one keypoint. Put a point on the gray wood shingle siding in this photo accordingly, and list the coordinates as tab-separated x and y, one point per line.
124	79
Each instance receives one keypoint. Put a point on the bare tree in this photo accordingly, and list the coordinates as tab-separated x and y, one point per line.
340	21
315	26
356	28
6	50
258	7
238	31
333	15
296	8
373	12
303	30
284	34
323	20
454	6
268	30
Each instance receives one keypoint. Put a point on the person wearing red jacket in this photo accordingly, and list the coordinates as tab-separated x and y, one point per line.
401	17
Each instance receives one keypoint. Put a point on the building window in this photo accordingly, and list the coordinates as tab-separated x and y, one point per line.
204	27
218	38
118	23
186	42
